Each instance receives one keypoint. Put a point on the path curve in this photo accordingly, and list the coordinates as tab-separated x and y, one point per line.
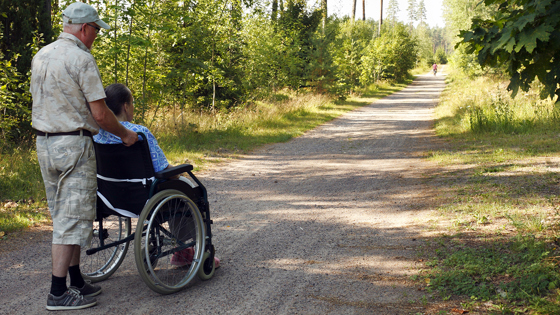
327	223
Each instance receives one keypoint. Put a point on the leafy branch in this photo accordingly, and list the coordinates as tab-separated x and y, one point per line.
524	36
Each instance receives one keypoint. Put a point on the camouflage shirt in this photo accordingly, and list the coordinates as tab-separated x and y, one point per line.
64	77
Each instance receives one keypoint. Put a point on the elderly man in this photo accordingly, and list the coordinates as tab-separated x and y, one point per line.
68	108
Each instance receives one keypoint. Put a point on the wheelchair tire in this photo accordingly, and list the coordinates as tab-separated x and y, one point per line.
169	224
206	271
101	265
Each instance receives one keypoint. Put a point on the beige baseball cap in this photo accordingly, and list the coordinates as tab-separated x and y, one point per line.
79	12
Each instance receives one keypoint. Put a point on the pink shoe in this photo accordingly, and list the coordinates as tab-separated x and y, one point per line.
183	257
216	262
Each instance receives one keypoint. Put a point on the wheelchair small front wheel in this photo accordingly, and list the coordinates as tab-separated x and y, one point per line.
169	241
208	267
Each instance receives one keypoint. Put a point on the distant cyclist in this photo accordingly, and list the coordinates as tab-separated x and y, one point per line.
434	67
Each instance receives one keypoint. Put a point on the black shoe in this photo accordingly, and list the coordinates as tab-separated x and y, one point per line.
89	290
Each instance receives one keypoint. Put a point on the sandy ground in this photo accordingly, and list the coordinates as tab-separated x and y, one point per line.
328	223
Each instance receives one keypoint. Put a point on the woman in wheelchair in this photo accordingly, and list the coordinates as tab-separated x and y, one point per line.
121	102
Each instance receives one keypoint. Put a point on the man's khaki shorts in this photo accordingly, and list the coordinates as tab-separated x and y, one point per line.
69	172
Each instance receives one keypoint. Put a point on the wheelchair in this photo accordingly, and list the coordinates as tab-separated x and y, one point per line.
172	215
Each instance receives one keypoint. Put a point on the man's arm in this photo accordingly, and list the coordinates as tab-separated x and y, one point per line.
107	120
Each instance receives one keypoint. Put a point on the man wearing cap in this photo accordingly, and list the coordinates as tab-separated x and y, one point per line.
68	108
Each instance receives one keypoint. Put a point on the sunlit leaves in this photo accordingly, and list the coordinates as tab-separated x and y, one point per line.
523	35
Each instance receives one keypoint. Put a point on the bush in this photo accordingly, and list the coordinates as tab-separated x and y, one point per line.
391	56
440	56
15	104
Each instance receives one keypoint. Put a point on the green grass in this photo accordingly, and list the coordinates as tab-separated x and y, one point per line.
197	138
22	190
499	185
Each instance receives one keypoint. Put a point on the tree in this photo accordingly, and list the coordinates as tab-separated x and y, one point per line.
392	10
390	56
425	43
351	42
421	12
524	36
458	14
411	12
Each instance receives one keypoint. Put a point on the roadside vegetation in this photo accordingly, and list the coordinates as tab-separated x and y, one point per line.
498	179
499	204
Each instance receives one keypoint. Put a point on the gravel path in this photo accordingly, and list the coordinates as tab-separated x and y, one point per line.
327	223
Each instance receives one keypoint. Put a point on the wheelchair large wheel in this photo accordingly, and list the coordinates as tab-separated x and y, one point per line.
169	242
101	265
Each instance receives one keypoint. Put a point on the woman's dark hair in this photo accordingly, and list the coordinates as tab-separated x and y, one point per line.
117	95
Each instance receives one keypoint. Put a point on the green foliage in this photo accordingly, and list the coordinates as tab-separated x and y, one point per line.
21	22
23	27
322	70
297	26
392	10
524	36
441	56
390	56
210	55
464	62
13	103
421	12
425	45
509	271
498	194
482	106
458	14
350	45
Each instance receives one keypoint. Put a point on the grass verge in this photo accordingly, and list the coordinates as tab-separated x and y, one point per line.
198	138
499	201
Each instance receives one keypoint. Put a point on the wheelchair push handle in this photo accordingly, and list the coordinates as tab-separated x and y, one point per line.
139	133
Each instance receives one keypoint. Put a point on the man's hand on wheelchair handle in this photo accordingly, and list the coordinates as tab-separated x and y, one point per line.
130	138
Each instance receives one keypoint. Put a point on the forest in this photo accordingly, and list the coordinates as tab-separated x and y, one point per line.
217	55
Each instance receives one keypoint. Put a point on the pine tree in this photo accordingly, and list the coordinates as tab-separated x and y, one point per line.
412	17
421	12
392	10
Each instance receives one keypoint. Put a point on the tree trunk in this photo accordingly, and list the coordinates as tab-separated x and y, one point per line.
45	21
274	14
115	43
363	10
146	62
380	17
354	10
324	9
128	48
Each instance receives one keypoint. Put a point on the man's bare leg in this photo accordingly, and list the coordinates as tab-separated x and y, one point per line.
62	256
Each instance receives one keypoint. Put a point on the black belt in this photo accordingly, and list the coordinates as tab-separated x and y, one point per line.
84	132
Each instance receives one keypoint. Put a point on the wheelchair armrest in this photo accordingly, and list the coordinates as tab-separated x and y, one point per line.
172	171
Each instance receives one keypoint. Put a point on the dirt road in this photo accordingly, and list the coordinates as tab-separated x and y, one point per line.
328	223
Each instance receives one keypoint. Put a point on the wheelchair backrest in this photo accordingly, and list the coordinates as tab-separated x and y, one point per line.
124	177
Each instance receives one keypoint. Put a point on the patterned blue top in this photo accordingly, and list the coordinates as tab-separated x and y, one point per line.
158	158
